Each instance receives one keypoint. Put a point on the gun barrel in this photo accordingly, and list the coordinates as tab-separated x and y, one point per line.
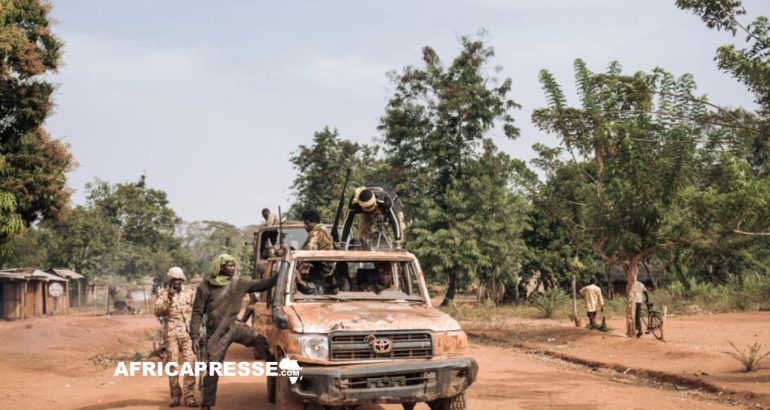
338	215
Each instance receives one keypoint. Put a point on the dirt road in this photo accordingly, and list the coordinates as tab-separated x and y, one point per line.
68	363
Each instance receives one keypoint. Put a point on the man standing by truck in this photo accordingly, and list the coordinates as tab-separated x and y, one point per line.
175	304
219	298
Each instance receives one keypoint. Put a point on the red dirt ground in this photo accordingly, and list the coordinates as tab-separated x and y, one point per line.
48	363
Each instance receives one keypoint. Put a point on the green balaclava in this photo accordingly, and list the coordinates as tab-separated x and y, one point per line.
215	279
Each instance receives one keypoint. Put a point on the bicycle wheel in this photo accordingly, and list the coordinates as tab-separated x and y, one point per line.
656	325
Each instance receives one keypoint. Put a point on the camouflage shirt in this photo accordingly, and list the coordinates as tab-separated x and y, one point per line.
317	240
177	311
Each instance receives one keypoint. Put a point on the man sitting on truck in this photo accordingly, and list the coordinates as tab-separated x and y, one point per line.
384	278
304	282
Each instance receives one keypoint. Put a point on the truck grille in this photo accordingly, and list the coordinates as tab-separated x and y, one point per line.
359	346
389	380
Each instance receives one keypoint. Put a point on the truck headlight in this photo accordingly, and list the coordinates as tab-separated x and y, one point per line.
450	343
314	346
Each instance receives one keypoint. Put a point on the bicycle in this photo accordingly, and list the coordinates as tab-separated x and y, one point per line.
653	322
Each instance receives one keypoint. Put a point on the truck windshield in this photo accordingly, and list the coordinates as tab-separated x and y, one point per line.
294	237
359	280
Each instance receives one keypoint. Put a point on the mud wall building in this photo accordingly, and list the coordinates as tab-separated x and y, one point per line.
26	293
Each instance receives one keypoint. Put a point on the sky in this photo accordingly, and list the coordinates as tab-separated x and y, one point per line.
210	99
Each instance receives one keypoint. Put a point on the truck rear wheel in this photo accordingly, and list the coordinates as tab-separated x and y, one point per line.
449	403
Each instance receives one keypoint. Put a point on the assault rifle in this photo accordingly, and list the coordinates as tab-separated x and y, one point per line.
202	353
160	351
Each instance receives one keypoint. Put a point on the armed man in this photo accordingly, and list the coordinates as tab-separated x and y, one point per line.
219	298
175	304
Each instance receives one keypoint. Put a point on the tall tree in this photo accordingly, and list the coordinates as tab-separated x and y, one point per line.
125	229
35	167
638	135
749	65
204	240
557	240
731	214
433	128
321	171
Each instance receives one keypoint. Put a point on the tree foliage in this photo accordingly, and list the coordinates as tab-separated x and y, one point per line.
637	136
204	240
125	229
321	171
434	135
35	165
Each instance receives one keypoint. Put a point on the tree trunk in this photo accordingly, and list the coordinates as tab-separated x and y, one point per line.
451	289
574	298
631	268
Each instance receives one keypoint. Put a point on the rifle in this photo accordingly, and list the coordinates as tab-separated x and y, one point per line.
160	351
203	353
335	227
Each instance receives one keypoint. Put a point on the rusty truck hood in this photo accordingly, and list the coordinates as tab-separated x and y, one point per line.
369	316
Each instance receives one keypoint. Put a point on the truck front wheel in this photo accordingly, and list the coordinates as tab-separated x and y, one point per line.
283	397
449	403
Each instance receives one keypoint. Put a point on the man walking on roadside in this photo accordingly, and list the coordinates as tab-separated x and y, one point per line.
175	304
640	296
593	296
219	298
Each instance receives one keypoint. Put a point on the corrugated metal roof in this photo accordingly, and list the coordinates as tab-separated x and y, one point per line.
66	273
39	274
30	273
11	275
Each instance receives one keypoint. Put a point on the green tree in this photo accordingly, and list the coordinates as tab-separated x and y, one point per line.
35	165
638	135
145	226
125	229
433	129
730	212
557	240
750	65
321	171
204	240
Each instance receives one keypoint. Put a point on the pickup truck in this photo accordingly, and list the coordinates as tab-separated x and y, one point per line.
364	342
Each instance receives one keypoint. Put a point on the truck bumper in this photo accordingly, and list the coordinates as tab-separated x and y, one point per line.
399	381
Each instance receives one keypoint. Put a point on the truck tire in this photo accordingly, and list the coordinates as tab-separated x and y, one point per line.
271	389
283	398
449	403
270	380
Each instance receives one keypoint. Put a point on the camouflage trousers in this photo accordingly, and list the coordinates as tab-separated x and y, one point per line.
179	350
239	332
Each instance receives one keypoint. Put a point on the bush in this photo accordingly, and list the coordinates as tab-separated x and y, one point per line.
550	302
749	359
749	293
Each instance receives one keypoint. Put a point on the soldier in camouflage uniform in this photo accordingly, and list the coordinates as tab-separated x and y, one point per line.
175	303
318	240
220	299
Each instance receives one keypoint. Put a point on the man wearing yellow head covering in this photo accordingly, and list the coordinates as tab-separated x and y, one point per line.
220	299
371	203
